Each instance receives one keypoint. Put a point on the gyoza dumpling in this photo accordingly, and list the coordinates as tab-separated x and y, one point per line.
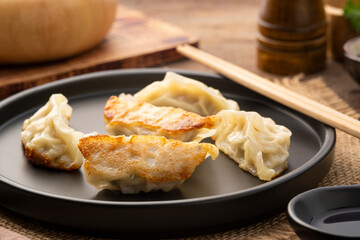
256	143
126	115
182	92
141	162
49	140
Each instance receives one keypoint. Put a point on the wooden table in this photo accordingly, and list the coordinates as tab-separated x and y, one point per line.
228	30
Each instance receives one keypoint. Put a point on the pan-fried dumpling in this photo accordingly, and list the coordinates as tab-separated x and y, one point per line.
126	115
141	162
256	143
48	139
189	94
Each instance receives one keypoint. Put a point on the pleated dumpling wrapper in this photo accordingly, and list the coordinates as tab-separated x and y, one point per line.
256	143
48	139
126	115
137	163
181	92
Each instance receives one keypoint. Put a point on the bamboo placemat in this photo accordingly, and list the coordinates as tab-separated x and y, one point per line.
345	171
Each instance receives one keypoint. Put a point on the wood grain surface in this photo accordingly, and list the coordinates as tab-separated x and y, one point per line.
135	40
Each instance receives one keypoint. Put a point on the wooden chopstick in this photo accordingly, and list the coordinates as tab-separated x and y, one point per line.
274	91
262	85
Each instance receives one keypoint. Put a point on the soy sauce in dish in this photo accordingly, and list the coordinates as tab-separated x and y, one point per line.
341	221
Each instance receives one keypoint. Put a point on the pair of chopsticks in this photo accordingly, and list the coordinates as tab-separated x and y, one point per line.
273	91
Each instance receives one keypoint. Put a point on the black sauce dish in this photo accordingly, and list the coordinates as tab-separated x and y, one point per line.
352	58
326	213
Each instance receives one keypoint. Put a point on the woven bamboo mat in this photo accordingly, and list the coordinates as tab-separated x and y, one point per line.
345	170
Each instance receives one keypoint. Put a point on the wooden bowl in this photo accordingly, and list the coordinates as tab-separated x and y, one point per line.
44	30
352	57
339	31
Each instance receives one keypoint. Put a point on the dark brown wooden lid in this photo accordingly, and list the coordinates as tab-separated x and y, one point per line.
292	20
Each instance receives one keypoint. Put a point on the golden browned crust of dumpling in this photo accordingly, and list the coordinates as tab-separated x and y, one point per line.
171	119
43	160
154	158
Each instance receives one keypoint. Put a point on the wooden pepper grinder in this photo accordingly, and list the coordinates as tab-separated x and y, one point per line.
292	36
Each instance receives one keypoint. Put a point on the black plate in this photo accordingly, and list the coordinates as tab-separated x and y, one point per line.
219	194
326	213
